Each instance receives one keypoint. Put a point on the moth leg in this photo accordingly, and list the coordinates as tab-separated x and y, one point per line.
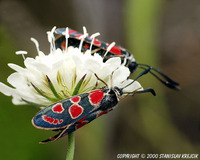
61	134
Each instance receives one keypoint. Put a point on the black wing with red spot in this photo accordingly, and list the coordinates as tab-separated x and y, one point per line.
99	46
82	122
66	112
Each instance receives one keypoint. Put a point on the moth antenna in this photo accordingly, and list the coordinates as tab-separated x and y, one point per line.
142	91
101	80
167	81
141	74
147	90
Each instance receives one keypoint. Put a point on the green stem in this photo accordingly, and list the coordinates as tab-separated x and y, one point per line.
71	136
71	146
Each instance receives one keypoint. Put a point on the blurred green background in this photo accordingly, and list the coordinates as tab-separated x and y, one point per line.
161	33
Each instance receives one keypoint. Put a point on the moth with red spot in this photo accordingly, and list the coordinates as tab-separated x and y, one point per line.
70	114
100	47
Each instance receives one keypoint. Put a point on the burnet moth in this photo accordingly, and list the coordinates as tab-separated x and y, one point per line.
72	113
100	47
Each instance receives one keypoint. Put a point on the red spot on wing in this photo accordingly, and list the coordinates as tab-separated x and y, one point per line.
82	119
75	111
78	35
96	96
60	121
55	121
76	99
52	138
81	124
51	120
115	50
65	134
86	46
58	108
71	31
63	45
48	119
96	42
104	112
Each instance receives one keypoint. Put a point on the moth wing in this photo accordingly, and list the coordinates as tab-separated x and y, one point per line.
62	133
63	113
61	31
71	128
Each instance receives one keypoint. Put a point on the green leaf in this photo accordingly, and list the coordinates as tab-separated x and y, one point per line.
42	93
53	89
78	86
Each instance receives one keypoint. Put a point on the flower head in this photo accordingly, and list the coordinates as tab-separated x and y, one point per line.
48	78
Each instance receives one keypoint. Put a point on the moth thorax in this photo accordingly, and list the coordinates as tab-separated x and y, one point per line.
118	92
132	66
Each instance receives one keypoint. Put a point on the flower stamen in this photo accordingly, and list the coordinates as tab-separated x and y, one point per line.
22	53
49	78
93	36
109	48
82	37
51	39
66	37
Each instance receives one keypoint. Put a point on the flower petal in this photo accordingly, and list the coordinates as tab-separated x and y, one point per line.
65	69
135	86
115	62
16	67
120	75
8	91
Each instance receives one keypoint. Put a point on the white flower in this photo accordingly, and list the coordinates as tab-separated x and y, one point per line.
49	78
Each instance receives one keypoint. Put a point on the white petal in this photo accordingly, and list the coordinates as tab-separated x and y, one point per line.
108	67
115	62
17	80
17	100
65	69
120	75
92	65
135	86
8	91
16	67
